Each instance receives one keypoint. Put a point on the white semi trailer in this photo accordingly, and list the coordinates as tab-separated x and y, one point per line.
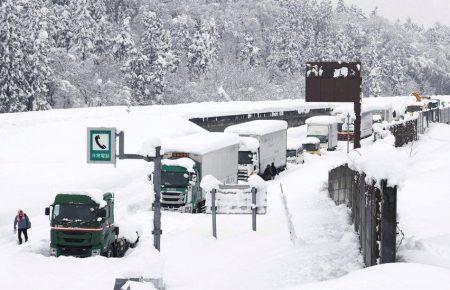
325	129
271	137
187	159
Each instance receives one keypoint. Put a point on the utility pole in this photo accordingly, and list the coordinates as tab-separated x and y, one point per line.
156	185
157	203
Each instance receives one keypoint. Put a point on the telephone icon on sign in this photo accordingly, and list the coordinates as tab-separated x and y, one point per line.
97	141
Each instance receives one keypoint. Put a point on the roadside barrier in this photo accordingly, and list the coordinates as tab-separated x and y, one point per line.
410	129
373	211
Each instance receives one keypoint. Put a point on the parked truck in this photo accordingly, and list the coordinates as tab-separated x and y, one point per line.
248	161
187	159
311	145
82	225
347	130
325	129
294	151
272	140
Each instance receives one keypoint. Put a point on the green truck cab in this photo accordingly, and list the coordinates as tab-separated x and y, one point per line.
83	226
180	188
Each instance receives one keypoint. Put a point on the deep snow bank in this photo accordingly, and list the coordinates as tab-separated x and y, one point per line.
389	277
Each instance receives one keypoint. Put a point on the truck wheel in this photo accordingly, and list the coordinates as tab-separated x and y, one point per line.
201	206
110	253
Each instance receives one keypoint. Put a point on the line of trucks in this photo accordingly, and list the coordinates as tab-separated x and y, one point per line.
83	225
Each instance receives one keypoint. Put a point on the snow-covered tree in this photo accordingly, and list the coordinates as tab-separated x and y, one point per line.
249	52
139	78
372	66
180	36
97	9
123	44
148	86
341	7
84	28
38	72
102	40
286	46
13	86
203	49
60	27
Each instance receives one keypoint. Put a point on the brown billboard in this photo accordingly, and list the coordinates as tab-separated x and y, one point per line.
333	81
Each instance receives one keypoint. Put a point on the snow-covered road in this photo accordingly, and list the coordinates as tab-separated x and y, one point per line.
44	153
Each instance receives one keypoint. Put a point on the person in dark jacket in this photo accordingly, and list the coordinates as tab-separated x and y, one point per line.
273	170
22	223
267	175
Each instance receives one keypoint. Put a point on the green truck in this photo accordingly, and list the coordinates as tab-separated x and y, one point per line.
187	159
82	225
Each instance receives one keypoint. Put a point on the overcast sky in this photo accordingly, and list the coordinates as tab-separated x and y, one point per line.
425	12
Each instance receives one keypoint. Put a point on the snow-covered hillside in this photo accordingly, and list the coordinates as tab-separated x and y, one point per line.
43	153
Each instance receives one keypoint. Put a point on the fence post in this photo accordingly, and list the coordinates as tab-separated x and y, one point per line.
388	223
213	212
254	209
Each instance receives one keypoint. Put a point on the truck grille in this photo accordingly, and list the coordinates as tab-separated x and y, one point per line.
75	251
75	239
242	175
172	200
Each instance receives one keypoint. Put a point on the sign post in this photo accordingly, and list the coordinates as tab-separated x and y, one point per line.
101	148
213	212
336	82
254	208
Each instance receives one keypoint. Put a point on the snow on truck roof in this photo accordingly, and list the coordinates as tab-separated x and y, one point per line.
187	163
311	140
258	127
321	120
248	144
201	143
96	195
293	143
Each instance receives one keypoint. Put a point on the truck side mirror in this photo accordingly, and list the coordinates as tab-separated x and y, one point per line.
47	211
101	212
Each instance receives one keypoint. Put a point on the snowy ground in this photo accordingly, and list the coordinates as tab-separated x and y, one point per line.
43	153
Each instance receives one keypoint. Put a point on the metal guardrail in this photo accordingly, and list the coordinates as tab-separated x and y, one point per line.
293	118
373	212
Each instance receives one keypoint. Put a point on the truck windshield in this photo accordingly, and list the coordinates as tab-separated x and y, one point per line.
74	213
245	157
169	178
291	153
310	147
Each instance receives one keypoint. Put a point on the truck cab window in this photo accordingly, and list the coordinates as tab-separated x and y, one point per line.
245	157
74	212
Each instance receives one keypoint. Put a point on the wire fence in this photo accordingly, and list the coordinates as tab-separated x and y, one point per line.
409	131
373	211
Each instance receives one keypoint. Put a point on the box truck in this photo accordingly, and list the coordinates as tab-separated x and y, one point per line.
323	128
294	151
187	159
272	140
366	127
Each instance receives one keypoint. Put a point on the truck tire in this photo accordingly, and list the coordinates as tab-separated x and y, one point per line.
110	253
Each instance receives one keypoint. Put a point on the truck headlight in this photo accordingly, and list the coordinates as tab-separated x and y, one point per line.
95	252
53	252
